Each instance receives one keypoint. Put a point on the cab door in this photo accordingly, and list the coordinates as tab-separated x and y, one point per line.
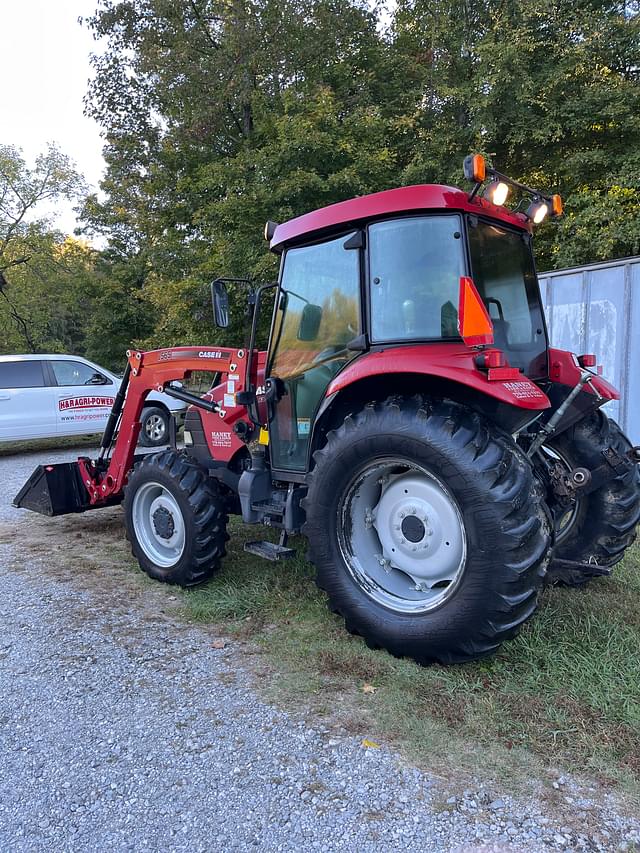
317	315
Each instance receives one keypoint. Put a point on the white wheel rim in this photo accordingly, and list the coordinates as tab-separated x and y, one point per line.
154	427
158	524
402	536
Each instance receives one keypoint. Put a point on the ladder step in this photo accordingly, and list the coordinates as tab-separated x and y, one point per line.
269	550
268	507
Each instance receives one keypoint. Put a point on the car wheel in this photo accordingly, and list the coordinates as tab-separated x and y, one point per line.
154	430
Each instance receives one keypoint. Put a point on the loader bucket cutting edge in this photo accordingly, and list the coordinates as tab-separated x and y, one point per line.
54	490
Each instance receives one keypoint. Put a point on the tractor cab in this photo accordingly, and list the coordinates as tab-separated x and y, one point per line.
384	273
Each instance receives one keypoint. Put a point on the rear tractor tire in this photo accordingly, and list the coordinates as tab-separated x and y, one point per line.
423	532
599	527
175	519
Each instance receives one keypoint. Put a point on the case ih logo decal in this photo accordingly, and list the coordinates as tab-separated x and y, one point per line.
84	403
170	354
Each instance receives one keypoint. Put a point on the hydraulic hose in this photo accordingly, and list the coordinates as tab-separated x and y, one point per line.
546	430
116	409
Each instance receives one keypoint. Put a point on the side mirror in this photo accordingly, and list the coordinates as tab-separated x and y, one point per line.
309	322
97	379
220	300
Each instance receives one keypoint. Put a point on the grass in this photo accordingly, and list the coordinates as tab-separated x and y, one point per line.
565	694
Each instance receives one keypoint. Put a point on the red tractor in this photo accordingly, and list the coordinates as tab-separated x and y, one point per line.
408	417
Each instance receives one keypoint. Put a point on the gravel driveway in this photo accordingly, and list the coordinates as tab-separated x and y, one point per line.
124	728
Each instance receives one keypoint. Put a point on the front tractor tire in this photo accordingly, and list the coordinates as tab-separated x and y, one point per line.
598	527
424	531
175	519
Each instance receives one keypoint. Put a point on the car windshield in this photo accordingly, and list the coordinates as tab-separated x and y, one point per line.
504	274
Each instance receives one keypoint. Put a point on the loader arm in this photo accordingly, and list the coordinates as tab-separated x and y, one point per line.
105	477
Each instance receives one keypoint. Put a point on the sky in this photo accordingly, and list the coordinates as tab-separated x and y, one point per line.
44	66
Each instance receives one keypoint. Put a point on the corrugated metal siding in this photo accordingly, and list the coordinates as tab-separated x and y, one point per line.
596	308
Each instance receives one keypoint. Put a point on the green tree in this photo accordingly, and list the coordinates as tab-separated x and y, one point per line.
219	116
550	90
33	257
49	298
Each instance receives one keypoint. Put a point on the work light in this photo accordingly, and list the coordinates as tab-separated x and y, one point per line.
499	186
537	210
270	229
497	192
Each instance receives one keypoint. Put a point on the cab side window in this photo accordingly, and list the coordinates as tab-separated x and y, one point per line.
77	373
319	308
415	269
21	374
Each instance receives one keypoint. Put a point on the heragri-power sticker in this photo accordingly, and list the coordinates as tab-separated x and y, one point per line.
85	403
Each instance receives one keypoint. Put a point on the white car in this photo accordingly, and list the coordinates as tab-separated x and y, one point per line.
44	396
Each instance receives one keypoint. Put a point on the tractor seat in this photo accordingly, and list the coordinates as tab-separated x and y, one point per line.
310	387
500	333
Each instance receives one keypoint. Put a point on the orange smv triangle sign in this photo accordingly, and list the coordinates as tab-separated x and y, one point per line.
474	322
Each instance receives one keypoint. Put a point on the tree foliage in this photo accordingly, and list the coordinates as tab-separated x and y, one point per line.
39	269
551	91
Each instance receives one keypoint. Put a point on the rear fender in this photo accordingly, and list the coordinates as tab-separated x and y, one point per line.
564	374
453	363
564	369
439	370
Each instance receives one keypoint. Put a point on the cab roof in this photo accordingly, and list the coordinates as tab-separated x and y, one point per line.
414	199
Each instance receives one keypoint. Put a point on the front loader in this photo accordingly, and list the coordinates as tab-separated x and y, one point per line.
409	418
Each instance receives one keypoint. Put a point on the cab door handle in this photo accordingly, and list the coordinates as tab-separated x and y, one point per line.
5	396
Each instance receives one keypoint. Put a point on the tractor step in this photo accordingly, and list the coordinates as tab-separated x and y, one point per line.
269	507
269	550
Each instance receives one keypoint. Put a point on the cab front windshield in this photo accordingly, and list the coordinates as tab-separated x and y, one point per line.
415	268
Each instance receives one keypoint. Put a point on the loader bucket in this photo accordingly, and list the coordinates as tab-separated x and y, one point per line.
54	490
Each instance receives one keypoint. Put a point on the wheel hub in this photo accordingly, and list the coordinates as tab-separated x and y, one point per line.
413	528
154	427
159	524
163	523
402	536
419	530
